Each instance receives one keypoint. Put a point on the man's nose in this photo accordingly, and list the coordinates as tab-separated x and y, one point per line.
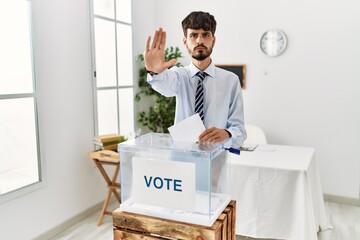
200	39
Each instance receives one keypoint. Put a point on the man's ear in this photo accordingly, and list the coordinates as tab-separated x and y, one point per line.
214	40
185	42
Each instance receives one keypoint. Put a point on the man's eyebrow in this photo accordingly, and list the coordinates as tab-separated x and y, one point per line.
193	33
200	32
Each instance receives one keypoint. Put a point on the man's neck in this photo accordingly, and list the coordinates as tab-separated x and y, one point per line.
202	65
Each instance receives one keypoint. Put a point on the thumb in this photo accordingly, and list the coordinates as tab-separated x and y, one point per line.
170	63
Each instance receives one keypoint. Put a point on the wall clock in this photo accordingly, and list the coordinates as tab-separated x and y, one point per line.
273	42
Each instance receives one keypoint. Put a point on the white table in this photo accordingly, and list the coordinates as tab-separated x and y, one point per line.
278	193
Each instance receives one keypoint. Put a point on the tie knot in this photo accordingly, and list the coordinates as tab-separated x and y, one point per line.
201	75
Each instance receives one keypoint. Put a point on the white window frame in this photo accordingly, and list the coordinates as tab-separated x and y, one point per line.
41	180
117	87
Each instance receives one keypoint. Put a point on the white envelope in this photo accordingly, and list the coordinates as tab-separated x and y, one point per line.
187	130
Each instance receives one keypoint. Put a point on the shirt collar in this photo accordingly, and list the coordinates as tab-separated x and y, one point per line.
210	70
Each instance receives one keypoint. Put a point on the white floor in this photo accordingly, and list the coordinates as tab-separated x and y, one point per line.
345	220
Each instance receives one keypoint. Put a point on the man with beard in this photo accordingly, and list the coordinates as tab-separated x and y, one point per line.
215	92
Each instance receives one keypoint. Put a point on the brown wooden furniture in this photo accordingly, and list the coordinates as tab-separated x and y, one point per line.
135	226
107	157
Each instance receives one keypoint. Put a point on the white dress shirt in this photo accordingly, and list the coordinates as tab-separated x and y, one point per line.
223	102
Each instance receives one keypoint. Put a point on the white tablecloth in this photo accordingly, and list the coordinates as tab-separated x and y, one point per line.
278	193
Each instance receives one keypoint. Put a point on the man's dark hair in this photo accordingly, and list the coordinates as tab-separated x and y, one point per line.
198	20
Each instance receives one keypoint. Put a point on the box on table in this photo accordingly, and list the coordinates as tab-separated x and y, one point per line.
187	182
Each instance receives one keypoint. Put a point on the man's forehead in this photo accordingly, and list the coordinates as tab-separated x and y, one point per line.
189	30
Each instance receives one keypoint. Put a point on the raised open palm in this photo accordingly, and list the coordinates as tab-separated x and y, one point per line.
154	55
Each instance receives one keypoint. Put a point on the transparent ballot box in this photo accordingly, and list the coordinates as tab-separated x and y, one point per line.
181	181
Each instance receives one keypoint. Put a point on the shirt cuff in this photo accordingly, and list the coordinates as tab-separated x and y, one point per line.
151	73
228	133
152	78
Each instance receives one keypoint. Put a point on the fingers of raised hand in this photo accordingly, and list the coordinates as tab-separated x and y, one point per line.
147	45
155	37
162	40
159	40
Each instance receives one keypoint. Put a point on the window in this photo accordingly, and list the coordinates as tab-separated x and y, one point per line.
19	149
113	66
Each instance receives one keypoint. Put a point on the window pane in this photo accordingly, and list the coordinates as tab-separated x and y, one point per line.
114	67
126	111
15	48
105	53
104	8
18	153
107	111
125	59
123	10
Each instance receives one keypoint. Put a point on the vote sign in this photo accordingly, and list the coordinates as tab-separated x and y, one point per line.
164	183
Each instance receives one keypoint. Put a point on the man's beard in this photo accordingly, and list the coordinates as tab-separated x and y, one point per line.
200	55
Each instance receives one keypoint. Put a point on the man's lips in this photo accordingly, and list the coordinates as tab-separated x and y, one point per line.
200	48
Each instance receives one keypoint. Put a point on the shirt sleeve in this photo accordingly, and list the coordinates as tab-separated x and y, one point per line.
235	123
166	83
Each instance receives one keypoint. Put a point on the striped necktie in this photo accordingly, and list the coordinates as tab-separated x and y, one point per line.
199	95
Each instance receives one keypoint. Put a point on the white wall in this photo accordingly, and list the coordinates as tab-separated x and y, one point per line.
143	18
309	96
64	84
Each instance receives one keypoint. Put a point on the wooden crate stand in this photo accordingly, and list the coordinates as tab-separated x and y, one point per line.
133	226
